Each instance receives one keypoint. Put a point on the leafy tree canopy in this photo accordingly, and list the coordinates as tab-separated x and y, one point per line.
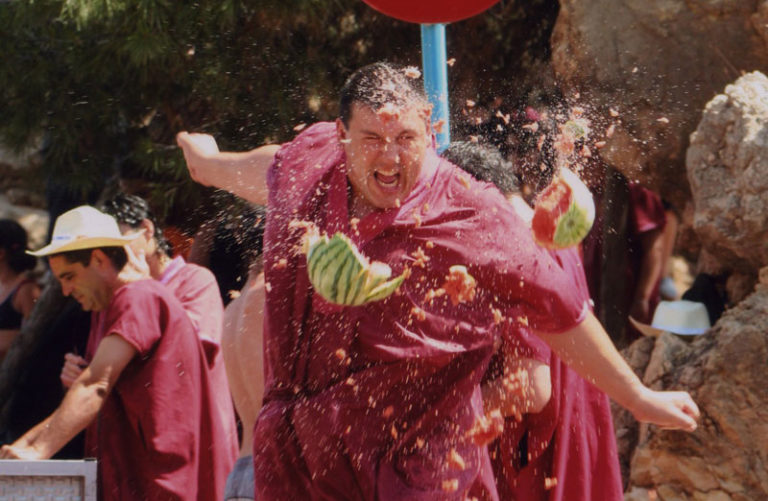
98	80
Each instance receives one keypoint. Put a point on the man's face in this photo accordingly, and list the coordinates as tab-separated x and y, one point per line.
84	283
385	150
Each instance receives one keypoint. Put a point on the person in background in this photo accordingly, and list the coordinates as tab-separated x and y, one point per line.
146	396
30	357
18	290
642	256
667	288
243	351
194	287
570	437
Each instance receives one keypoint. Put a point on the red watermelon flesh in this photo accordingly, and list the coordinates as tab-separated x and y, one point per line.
553	202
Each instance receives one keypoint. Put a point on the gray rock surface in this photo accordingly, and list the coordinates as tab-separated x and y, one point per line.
726	459
727	168
656	62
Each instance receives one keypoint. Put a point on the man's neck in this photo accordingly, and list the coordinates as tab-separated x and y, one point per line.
358	207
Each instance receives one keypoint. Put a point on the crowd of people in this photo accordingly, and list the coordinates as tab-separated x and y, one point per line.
501	395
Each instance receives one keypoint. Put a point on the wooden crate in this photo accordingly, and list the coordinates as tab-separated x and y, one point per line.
48	480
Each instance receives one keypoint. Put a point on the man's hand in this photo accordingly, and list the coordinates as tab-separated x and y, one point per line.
588	350
198	150
136	268
673	410
18	452
73	367
641	310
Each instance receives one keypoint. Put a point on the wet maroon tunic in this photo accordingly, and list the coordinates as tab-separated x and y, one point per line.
157	436
567	452
196	288
367	402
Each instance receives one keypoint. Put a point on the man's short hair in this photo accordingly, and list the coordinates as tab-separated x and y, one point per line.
484	163
237	243
132	210
379	84
117	256
13	239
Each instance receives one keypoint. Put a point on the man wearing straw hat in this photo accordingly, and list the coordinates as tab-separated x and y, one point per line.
145	397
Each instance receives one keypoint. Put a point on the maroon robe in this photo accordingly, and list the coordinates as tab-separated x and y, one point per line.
157	437
567	452
368	402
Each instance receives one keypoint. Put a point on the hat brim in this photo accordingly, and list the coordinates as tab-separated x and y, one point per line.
649	330
646	329
84	243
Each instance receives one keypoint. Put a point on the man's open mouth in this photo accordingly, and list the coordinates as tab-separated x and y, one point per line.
387	180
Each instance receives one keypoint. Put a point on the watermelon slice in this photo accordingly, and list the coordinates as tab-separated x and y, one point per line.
344	276
564	212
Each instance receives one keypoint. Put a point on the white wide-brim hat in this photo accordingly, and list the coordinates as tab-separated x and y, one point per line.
84	228
686	318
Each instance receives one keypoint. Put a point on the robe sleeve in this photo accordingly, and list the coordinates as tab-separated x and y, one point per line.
532	285
136	316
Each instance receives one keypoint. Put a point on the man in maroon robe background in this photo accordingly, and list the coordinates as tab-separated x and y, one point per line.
146	396
378	401
558	443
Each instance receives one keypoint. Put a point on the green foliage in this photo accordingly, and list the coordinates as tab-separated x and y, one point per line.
102	79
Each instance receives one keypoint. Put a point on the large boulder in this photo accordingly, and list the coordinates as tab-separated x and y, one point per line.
727	165
726	459
657	63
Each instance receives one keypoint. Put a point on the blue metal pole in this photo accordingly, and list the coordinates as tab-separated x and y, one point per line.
433	57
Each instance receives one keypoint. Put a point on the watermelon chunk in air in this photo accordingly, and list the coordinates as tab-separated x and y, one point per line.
563	213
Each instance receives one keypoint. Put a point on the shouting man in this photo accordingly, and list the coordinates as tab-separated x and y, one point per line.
382	400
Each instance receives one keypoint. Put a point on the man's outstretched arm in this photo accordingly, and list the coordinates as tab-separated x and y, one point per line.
80	406
243	174
588	350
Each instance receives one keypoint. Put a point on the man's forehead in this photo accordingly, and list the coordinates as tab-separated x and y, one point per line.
406	115
60	265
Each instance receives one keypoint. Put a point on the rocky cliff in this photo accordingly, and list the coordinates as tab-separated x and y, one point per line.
656	62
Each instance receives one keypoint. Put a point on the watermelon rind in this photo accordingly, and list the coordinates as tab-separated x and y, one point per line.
344	276
384	290
575	224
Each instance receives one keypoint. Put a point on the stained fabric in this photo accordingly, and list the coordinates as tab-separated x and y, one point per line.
196	289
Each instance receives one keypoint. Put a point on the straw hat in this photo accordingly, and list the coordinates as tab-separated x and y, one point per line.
686	318
84	228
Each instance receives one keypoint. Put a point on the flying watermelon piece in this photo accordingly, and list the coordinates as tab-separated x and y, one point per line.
344	276
563	213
